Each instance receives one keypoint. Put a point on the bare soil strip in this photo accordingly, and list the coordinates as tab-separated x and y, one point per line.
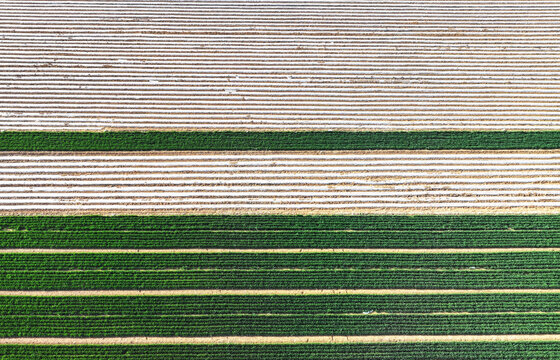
373	182
293	292
277	339
357	66
43	156
488	210
280	251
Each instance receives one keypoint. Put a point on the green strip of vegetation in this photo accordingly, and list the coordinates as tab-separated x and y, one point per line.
271	239
274	304
279	325
240	261
281	222
231	141
135	232
383	351
279	279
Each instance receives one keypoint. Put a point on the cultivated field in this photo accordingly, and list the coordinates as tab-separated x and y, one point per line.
384	182
267	287
245	65
279	179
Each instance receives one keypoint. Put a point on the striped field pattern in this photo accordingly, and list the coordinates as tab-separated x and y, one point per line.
268	286
279	65
279	179
401	182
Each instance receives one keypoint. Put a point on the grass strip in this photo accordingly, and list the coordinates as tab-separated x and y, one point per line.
313	140
388	351
278	279
271	239
261	261
275	304
278	325
280	222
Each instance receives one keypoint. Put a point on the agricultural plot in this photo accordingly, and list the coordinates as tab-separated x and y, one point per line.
275	141
361	298
275	179
407	351
311	182
315	65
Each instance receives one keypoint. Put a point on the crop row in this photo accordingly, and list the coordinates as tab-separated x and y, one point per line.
383	351
152	239
169	261
312	140
278	279
283	222
278	325
276	304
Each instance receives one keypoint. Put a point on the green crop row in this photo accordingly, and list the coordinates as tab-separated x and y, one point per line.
274	239
278	279
239	261
313	140
278	325
382	351
282	222
141	239
275	304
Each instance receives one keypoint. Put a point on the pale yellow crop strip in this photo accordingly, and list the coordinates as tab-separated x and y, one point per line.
277	339
291	292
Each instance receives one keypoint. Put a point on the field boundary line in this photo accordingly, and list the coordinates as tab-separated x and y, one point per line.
265	292
279	339
280	251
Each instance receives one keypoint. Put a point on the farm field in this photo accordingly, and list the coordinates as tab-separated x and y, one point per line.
277	232
406	351
366	299
275	141
279	65
279	179
264	182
